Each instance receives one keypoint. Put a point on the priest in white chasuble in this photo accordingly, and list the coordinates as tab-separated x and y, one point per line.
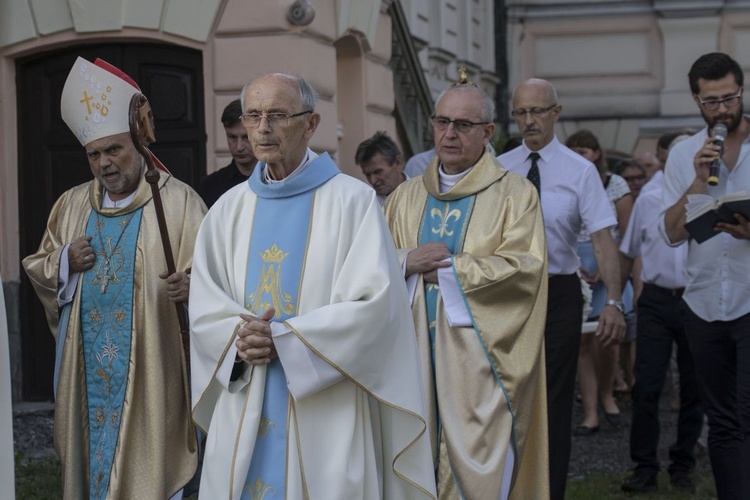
123	427
471	237
304	357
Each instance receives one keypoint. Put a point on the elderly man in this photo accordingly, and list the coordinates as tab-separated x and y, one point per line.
243	161
381	162
716	301
572	193
122	415
472	239
304	359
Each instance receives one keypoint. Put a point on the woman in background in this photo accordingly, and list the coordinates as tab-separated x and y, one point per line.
597	363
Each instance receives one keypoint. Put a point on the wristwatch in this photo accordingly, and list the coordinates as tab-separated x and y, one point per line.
619	305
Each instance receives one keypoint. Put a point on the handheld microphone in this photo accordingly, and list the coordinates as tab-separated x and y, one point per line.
719	133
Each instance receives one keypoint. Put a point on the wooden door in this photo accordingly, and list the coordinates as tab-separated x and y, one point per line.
52	161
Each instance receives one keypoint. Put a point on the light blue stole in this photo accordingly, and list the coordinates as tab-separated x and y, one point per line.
446	222
106	327
278	244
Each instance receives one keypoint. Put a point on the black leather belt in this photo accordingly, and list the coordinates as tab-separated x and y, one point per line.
672	292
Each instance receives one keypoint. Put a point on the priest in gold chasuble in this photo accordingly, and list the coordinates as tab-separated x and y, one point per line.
122	414
471	239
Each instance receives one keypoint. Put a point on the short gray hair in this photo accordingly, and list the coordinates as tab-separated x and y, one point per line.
487	112
307	94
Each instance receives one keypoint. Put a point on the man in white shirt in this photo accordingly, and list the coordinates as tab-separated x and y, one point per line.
572	193
660	324
716	302
417	164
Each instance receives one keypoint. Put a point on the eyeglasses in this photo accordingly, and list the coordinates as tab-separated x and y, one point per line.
519	113
463	126
253	119
729	102
634	178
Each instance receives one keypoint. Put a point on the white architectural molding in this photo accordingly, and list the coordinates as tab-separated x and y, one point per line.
580	58
360	16
23	20
16	22
684	41
51	16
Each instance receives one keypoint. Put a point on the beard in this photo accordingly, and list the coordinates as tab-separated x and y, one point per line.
731	119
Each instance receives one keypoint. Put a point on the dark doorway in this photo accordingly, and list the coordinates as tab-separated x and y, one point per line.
52	161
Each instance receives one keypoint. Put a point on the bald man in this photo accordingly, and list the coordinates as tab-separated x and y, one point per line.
572	195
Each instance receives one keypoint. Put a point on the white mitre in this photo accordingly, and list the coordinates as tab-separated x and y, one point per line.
95	101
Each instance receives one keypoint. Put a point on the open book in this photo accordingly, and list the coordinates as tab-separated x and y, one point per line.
703	212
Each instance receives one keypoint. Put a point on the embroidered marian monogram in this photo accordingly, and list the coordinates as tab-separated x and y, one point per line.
109	256
270	284
444	217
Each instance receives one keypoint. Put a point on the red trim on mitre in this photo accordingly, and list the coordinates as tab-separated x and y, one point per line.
158	164
126	78
116	71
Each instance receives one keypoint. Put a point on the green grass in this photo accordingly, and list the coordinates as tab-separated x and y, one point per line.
40	479
607	486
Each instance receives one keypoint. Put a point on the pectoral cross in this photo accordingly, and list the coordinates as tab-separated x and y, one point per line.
103	279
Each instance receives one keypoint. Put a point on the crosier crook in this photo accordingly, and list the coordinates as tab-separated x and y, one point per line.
142	133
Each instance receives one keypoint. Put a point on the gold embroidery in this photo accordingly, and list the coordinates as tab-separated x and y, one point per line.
258	490
95	315
444	218
431	287
265	427
270	283
119	315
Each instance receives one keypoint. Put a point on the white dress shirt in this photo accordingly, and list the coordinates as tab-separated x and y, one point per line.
417	164
572	195
656	182
718	270
663	265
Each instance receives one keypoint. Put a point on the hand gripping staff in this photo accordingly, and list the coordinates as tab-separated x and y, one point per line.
141	122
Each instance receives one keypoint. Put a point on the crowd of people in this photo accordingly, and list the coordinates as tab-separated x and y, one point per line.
420	337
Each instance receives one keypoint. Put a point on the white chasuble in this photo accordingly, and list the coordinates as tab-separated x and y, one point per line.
359	435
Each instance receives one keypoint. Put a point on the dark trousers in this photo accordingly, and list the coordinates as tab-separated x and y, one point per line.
660	323
721	351
562	341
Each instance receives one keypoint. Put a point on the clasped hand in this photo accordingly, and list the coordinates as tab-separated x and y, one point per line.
254	343
427	259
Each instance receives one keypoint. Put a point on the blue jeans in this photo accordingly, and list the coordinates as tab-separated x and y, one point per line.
721	351
660	323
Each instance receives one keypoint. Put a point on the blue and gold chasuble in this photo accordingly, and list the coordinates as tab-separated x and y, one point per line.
106	325
281	227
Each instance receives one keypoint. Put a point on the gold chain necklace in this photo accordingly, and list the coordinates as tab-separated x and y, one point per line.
103	279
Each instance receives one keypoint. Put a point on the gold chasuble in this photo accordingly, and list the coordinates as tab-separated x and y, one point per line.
155	451
485	383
